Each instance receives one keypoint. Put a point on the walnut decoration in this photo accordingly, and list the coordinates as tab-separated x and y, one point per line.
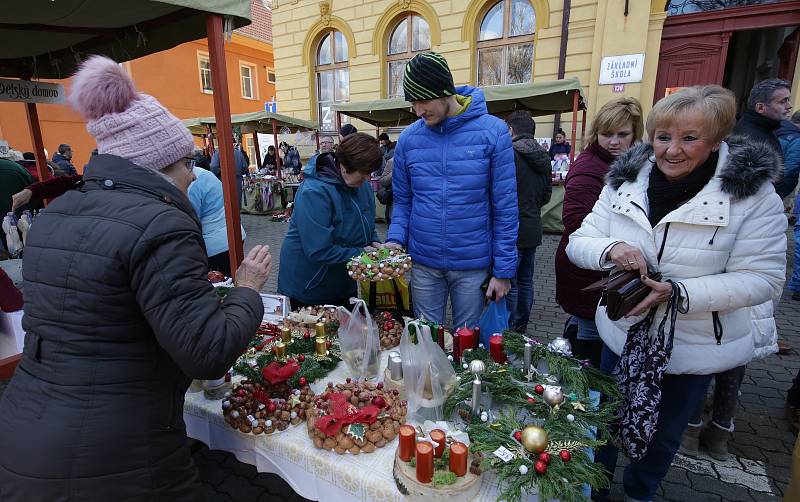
355	417
303	321
389	329
254	408
381	265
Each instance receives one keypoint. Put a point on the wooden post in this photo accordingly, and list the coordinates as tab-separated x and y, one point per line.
222	112
258	150
339	125
575	95
210	136
583	128
36	139
377	133
278	162
316	135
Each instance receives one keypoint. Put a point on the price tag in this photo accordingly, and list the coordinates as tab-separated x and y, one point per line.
503	454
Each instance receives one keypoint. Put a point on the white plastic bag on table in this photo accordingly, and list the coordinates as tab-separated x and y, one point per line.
428	376
359	340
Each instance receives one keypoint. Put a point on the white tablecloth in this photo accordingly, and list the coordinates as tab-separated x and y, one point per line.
12	336
312	473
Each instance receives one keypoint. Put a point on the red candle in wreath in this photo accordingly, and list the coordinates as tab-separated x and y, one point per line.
496	349
458	459
439	437
424	462
408	442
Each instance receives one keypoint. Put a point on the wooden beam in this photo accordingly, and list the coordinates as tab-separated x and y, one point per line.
8	365
278	162
222	112
258	150
36	139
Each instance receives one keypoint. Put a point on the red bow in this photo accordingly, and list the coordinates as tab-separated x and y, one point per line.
277	373
343	413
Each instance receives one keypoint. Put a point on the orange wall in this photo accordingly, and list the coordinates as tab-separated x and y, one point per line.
172	76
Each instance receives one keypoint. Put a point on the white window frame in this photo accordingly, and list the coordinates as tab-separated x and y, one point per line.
203	56
253	79
271	71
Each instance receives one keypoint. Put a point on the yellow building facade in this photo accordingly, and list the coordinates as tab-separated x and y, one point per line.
329	50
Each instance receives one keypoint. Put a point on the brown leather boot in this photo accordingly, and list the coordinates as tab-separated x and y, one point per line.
690	441
715	438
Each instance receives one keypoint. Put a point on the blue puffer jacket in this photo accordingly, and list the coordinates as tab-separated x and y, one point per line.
455	193
330	224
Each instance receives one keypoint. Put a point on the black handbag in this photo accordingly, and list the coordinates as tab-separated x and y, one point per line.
622	291
639	373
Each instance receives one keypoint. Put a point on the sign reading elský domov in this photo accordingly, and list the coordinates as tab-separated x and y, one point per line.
28	91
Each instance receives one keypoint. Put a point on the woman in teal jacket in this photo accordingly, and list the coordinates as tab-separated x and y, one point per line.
333	220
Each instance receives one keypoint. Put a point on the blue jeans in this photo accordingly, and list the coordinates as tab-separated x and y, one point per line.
679	397
794	282
431	287
587	329
520	297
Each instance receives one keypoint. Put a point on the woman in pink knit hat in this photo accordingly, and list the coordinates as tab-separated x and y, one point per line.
119	314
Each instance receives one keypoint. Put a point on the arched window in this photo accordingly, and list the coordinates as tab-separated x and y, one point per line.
332	76
411	35
505	43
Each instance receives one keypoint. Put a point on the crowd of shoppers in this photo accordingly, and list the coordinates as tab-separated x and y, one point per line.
698	200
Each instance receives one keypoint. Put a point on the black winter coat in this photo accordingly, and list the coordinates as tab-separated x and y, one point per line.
534	188
756	126
119	318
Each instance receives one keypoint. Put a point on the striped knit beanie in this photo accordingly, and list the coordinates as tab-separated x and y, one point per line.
428	77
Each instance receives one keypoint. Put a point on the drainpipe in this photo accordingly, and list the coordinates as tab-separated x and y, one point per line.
562	55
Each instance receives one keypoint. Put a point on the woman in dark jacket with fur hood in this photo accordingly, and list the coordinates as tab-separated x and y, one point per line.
119	315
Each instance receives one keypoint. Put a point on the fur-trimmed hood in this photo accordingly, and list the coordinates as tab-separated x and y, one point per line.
748	165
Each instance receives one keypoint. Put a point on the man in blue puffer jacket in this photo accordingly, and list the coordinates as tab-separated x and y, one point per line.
455	195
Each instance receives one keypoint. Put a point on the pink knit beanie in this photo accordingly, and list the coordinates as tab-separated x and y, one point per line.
125	123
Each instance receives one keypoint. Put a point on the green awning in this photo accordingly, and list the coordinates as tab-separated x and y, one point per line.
49	38
539	98
260	121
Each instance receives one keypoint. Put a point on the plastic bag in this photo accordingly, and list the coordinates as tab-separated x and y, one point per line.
494	320
359	340
427	374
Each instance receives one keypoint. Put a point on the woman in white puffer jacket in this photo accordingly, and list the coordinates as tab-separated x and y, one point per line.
704	213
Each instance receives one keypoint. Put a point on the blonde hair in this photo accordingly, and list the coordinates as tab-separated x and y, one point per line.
714	103
615	115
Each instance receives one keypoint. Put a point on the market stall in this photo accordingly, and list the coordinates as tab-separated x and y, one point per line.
262	193
358	405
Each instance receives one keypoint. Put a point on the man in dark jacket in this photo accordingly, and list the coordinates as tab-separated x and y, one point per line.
789	137
769	103
455	197
63	159
534	189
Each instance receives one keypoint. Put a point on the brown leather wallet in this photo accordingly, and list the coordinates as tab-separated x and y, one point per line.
622	291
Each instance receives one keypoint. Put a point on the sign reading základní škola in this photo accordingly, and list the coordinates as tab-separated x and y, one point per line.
625	69
30	91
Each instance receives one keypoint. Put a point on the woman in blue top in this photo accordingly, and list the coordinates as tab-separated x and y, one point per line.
333	220
205	194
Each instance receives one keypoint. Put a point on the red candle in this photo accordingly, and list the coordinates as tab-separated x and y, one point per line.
424	462
439	437
477	339
408	438
440	336
466	340
458	459
496	349
456	347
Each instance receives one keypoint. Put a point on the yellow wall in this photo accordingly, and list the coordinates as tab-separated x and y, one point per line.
597	28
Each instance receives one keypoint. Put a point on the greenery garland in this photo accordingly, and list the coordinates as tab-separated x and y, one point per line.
312	368
566	424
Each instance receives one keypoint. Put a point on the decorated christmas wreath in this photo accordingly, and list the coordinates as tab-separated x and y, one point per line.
543	440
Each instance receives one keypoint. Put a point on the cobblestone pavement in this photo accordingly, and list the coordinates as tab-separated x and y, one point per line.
761	445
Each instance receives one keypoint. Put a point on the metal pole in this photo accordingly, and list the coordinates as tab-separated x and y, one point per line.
575	95
278	162
258	150
222	112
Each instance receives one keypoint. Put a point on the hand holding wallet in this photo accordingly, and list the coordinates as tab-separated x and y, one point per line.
622	291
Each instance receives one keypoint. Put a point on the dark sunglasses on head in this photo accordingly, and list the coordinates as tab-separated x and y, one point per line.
189	162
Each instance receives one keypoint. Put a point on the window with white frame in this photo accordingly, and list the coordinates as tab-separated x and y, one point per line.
271	75
204	63
410	35
506	43
332	77
247	73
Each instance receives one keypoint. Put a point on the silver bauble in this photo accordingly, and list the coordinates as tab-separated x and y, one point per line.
477	366
553	396
560	346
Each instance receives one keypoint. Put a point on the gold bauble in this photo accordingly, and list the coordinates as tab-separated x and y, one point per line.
534	439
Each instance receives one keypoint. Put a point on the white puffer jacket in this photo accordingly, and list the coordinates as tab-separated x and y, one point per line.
726	247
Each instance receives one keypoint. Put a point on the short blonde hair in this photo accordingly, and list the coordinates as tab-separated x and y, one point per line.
714	103
615	115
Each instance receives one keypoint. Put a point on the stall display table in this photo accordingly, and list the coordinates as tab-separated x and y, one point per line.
312	473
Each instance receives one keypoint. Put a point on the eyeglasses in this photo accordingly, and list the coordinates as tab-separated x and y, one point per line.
189	162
